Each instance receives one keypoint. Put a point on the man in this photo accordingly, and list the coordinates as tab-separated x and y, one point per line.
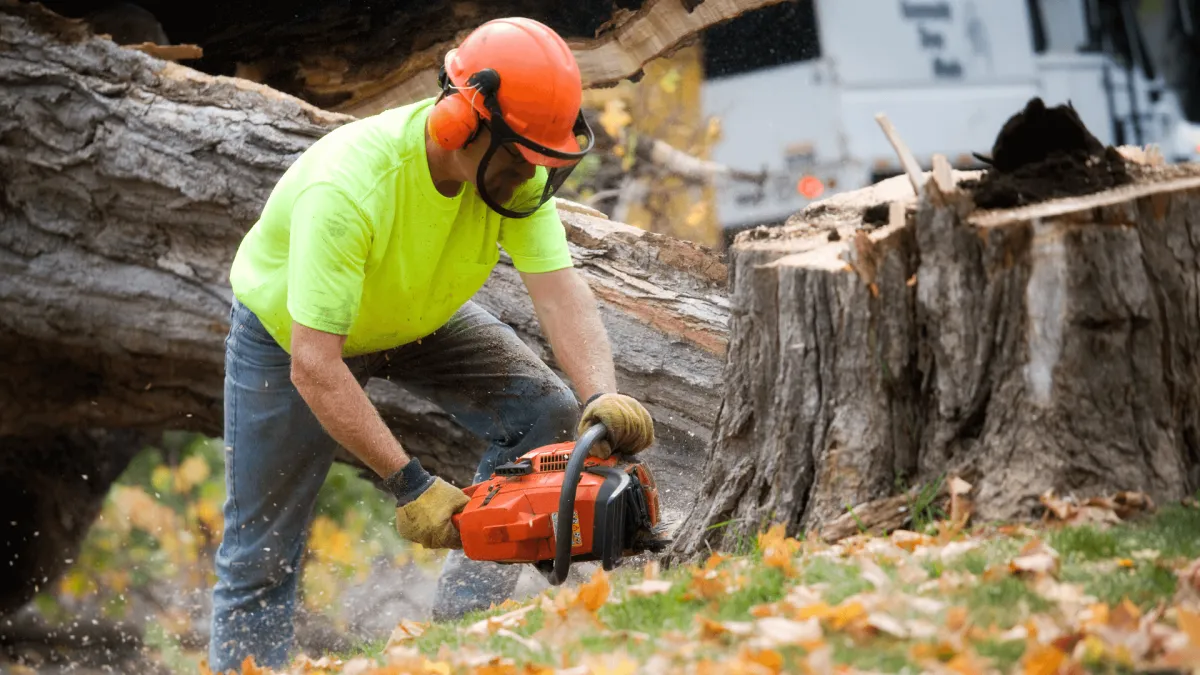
363	264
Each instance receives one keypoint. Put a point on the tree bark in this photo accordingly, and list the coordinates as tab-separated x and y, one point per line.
126	184
1048	346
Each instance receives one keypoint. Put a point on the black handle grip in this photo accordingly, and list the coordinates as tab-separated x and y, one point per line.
566	502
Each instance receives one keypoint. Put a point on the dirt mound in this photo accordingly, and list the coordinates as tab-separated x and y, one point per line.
1046	153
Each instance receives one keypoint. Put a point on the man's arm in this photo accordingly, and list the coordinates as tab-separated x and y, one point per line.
340	404
567	312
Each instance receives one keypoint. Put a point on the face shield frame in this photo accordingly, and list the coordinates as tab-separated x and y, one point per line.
487	83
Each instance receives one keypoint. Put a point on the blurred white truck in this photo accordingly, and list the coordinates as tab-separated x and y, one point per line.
948	73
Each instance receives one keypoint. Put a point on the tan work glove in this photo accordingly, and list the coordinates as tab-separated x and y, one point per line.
630	428
424	506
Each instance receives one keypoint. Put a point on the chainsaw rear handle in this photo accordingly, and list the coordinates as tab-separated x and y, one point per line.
566	502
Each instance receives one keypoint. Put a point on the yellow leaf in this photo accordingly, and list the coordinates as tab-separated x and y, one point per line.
191	472
611	664
614	118
330	542
161	478
1042	660
670	82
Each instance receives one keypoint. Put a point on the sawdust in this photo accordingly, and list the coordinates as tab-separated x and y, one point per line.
1046	153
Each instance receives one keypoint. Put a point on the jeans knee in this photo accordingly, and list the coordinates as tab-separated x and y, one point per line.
247	576
559	410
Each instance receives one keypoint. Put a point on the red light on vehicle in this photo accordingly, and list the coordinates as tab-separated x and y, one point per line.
810	187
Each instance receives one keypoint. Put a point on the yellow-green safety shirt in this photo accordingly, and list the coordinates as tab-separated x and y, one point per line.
355	240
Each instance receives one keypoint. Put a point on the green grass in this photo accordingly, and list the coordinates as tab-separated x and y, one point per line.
1174	532
843	580
1004	654
1002	603
1089	557
881	655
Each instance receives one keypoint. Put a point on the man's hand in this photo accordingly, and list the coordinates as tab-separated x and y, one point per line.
424	507
630	428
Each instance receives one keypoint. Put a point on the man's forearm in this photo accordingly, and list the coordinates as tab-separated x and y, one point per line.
579	340
343	409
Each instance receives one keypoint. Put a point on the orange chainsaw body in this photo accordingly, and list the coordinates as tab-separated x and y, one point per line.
512	517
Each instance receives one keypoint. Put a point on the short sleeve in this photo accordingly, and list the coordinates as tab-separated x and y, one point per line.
329	243
537	243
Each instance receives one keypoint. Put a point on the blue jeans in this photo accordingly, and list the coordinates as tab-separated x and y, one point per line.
277	456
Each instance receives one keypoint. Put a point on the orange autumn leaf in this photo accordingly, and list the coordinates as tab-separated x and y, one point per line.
778	549
709	629
1125	616
594	593
1189	623
1042	660
956	618
940	651
495	667
767	658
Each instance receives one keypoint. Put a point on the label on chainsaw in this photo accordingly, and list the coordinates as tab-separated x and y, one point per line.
576	534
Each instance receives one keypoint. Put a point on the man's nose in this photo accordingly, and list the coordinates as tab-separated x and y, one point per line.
526	170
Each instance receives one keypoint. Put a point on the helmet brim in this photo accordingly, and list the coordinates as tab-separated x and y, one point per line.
570	145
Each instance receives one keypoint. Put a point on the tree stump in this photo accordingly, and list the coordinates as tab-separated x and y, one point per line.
1049	346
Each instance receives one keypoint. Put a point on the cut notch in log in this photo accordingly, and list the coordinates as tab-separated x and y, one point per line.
1049	346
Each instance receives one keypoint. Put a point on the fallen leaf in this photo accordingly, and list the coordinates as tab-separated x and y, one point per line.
1189	623
778	631
909	540
778	549
1042	660
492	624
648	588
611	664
887	624
405	631
595	592
1036	557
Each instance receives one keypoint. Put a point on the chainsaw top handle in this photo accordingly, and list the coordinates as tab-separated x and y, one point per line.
566	501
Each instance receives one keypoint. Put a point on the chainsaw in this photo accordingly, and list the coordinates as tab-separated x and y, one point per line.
557	504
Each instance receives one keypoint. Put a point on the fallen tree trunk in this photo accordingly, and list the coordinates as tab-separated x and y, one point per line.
126	184
1048	346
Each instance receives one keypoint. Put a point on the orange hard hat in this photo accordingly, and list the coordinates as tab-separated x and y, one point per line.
520	77
540	88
